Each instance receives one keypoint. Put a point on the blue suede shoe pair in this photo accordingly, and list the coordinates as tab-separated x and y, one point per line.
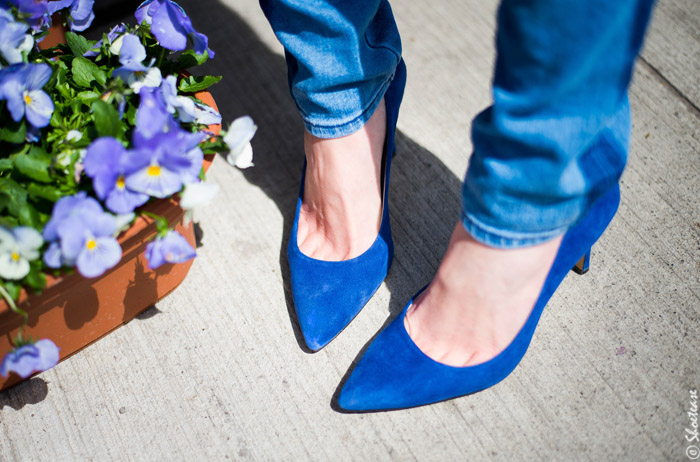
329	294
394	373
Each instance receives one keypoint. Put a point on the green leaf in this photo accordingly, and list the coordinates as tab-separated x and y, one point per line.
36	279
29	216
5	164
190	59
130	114
85	72
13	132
15	197
107	120
34	164
87	97
50	193
13	289
194	83
78	44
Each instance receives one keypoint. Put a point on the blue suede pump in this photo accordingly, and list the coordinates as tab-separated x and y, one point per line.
394	373
329	294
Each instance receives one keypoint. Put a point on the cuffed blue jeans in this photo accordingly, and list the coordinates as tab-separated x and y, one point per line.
554	140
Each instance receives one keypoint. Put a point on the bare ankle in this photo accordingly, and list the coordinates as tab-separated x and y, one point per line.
342	203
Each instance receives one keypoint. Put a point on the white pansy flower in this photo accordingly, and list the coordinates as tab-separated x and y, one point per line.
197	195
150	78
18	246
238	138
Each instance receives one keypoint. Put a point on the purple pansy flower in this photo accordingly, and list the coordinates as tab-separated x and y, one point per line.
27	359
35	12
132	71
172	248
169	156
107	163
21	86
14	38
80	15
168	160
82	235
171	26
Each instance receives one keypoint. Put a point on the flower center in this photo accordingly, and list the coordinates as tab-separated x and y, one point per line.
153	170
120	182
139	73
27	98
15	256
91	244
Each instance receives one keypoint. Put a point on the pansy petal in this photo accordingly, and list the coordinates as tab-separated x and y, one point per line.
39	109
103	154
206	115
123	201
243	158
240	132
154	180
48	354
145	11
80	24
100	225
28	241
169	27
82	9
198	194
105	254
13	269
173	248
7	239
132	52
23	361
52	256
37	76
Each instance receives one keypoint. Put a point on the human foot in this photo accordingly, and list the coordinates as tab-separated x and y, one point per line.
479	299
341	210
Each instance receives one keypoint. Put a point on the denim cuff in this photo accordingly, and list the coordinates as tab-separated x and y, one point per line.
504	239
321	130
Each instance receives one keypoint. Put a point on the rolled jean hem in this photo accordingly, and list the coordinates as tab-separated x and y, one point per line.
503	239
347	128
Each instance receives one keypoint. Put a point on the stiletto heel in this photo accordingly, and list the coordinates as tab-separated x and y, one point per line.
394	373
329	294
581	267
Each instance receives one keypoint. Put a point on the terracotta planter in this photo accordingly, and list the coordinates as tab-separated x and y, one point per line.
74	311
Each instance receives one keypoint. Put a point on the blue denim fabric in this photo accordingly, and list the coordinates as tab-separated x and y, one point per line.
554	140
341	57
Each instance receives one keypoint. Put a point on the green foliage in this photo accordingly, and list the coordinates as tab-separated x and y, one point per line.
193	84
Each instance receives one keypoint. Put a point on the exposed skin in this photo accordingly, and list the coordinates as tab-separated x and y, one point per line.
341	210
480	296
479	299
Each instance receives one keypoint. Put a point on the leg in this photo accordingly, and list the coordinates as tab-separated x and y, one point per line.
554	141
341	57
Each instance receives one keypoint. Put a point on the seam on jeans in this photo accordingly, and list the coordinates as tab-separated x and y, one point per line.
397	54
505	239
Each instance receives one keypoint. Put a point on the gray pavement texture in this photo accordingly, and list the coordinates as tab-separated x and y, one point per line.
216	371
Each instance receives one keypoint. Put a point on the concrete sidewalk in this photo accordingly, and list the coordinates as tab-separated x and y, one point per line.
216	370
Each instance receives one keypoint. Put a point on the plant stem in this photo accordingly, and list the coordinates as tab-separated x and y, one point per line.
16	309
